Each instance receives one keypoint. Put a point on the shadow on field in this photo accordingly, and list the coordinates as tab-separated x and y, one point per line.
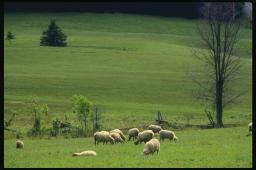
177	126
103	47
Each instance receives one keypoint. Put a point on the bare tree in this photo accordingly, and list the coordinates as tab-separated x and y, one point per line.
218	32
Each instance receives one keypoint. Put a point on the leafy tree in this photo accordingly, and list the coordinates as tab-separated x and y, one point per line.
9	37
53	36
82	107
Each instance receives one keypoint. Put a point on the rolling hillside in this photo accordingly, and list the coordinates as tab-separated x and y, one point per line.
131	66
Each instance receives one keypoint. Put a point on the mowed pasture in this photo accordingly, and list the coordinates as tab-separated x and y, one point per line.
228	147
131	66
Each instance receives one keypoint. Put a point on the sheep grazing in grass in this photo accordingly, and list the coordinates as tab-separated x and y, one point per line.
151	147
144	136
19	144
250	127
103	137
120	132
116	136
155	128
133	133
85	153
167	134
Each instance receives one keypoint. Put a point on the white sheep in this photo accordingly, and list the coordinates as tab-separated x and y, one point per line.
19	144
144	136
85	153
151	147
250	127
155	128
133	133
167	134
120	132
103	137
116	136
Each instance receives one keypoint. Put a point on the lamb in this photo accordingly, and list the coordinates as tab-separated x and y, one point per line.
103	137
19	144
85	153
155	128
144	136
250	127
151	147
116	136
167	134
120	132
133	133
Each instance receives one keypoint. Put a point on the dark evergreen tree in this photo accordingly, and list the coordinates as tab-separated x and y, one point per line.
53	36
9	36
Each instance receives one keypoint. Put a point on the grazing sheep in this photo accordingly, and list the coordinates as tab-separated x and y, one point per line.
19	144
144	136
133	133
151	147
116	136
167	134
250	127
85	153
103	137
120	132
155	128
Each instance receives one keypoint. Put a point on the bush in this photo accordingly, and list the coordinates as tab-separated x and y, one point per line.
36	126
53	36
38	110
55	127
60	127
9	37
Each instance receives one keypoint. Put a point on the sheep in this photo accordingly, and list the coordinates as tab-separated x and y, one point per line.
155	128
19	144
133	133
116	136
167	134
151	147
144	136
250	127
103	137
120	132
85	153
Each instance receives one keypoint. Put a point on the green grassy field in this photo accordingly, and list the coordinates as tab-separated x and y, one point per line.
228	147
131	66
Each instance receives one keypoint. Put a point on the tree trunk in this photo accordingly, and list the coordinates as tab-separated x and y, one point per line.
219	108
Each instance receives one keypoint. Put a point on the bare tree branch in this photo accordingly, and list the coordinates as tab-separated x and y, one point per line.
219	33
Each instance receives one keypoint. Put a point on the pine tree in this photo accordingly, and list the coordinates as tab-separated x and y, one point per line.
9	36
53	36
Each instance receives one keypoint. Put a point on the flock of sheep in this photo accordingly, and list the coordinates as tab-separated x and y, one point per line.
151	146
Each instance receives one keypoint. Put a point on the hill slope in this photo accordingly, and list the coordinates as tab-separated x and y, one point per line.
129	65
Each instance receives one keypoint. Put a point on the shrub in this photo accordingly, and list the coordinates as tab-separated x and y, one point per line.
9	37
38	110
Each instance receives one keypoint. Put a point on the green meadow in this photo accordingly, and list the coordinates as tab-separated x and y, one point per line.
228	147
130	66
